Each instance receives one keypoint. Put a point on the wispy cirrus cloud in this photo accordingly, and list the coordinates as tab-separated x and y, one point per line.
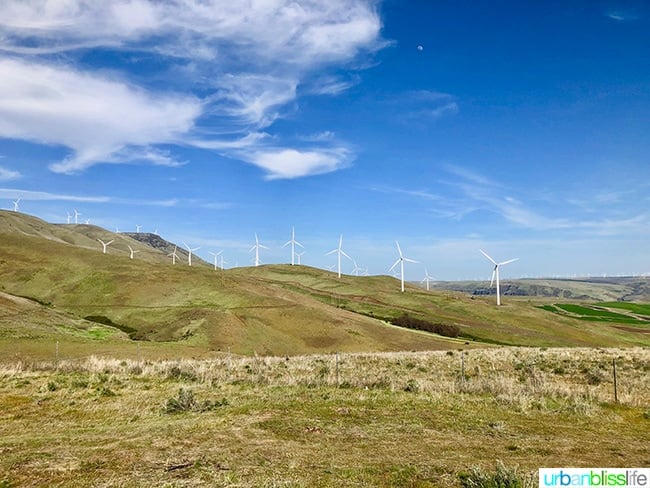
621	15
422	106
9	174
238	66
517	210
30	195
47	196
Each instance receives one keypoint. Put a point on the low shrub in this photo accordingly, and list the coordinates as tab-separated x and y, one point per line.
502	477
186	402
408	322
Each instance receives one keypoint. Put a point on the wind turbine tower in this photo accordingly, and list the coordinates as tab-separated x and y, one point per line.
339	251
76	216
400	261
173	255
495	272
105	244
427	278
216	256
256	248
132	251
293	243
190	251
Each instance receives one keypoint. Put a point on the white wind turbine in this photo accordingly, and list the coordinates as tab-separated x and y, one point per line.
132	250
216	256
299	255
69	217
105	244
400	261
76	216
495	272
16	202
257	248
190	251
137	228
173	255
339	252
427	278
293	243
356	269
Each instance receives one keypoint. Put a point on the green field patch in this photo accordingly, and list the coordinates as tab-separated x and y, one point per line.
594	313
637	308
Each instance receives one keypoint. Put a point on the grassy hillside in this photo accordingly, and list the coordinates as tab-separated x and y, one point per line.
195	306
270	310
518	321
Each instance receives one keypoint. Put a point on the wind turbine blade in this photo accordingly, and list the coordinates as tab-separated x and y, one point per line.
343	252
410	260
486	255
393	266
508	261
399	250
286	244
298	244
492	280
331	252
109	242
263	247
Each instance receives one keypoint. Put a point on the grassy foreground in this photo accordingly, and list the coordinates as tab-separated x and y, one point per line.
391	419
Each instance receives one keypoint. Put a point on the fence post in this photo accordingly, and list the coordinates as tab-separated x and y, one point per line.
336	369
462	366
615	381
56	362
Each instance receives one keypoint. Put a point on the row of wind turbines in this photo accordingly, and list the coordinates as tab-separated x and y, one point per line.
400	261
293	243
296	256
339	253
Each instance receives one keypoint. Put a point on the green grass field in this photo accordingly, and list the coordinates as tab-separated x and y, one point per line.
602	312
393	419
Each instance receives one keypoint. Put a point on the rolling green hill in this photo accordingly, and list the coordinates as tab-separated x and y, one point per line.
274	309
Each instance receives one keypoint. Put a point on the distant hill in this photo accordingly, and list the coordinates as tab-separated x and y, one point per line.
635	289
272	309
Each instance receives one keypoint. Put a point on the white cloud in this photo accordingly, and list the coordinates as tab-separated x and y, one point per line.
96	118
8	174
247	58
294	163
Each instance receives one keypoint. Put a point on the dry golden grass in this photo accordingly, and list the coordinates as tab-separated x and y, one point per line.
393	419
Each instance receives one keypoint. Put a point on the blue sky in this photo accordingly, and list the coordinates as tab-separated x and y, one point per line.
521	128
